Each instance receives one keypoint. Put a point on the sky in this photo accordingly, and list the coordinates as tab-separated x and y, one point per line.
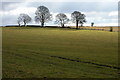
101	12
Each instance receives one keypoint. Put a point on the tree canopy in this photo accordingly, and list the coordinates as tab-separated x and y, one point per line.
42	15
62	19
78	18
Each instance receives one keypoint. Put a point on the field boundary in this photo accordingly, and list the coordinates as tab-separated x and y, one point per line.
101	28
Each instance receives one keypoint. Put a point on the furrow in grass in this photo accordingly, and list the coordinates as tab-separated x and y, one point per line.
102	65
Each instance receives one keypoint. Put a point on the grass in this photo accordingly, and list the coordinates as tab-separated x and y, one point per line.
27	53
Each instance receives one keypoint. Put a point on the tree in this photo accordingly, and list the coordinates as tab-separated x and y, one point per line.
42	15
19	20
78	18
92	24
24	18
61	19
111	29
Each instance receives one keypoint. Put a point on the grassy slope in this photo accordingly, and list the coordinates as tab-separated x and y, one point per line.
27	52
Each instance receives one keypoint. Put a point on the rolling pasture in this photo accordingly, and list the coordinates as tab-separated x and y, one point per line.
30	52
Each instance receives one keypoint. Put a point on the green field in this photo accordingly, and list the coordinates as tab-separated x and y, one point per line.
58	53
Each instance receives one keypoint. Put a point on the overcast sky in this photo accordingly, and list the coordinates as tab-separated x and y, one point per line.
104	13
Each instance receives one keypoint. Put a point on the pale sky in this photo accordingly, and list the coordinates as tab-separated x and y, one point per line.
101	12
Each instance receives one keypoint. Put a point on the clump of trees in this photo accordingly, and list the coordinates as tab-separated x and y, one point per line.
42	15
24	18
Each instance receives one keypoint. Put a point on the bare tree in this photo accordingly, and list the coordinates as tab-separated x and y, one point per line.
19	20
42	15
78	18
62	19
24	18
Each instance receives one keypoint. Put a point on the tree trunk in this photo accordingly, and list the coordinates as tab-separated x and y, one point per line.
19	25
63	25
76	24
24	24
42	23
111	29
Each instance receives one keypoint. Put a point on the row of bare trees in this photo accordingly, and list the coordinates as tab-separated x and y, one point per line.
43	15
